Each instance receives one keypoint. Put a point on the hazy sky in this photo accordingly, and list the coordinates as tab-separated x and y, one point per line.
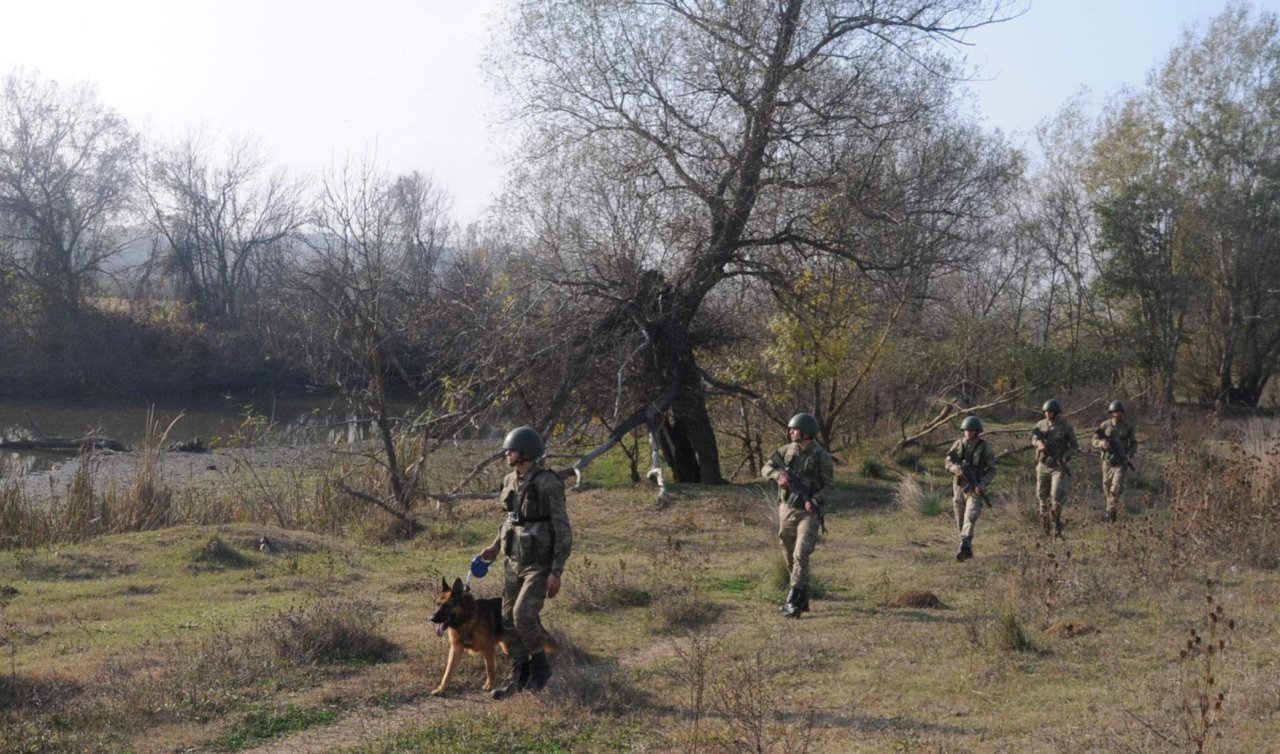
321	79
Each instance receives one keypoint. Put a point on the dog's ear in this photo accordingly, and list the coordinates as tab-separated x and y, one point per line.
444	585
457	586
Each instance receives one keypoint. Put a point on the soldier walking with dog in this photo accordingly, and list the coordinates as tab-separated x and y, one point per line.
1054	440
973	463
803	470
536	539
1117	442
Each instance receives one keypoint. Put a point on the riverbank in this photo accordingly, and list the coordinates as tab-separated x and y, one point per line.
222	471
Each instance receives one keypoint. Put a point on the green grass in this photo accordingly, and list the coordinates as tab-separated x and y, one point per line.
268	721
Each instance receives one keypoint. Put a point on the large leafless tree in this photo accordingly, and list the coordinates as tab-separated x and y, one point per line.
728	127
220	217
64	186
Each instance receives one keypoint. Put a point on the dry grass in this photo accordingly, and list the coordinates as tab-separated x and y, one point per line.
707	665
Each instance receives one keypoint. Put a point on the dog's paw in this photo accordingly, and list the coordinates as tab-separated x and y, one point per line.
437	691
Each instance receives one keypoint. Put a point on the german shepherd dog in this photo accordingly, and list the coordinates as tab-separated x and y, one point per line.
474	625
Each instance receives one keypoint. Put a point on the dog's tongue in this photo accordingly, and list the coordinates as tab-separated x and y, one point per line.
439	629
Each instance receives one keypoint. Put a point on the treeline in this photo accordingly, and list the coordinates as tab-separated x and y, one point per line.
723	214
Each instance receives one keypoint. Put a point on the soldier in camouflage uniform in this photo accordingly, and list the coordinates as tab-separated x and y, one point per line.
1117	443
801	467
973	463
1054	440
536	539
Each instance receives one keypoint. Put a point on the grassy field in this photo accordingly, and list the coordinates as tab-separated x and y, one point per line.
242	636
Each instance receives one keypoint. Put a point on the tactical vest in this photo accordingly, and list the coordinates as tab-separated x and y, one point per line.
1121	438
528	537
971	456
527	506
808	470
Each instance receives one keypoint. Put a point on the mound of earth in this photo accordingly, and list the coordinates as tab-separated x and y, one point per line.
915	598
1067	629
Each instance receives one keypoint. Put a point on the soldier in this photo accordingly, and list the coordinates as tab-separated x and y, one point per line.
1117	443
803	471
536	539
973	463
1054	439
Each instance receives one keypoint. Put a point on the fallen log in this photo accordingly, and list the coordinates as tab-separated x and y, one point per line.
95	442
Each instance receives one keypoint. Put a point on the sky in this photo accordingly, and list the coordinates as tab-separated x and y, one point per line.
318	81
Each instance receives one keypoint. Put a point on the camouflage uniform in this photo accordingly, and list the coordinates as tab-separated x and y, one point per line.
797	528
982	458
1052	480
1124	446
536	539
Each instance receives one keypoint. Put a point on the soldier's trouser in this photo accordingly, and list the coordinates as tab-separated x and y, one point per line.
798	532
524	589
1051	485
1113	484
967	508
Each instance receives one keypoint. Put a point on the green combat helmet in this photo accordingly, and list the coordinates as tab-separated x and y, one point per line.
1116	406
805	423
1052	406
971	422
526	441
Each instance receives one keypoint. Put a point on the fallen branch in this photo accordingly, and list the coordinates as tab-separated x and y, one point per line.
949	411
95	442
408	519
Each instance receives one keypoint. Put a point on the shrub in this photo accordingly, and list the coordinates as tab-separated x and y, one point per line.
912	495
331	631
1010	634
603	589
218	554
872	468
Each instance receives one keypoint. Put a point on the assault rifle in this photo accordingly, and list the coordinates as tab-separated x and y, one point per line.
971	480
1054	455
801	493
1111	453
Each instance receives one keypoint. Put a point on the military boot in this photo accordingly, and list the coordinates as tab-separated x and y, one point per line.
1057	524
539	672
1111	515
516	682
792	595
1046	523
965	552
797	603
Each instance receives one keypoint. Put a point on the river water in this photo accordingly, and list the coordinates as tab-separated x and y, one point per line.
216	420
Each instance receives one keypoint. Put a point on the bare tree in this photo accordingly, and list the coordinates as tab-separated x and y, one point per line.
64	187
219	218
728	127
411	330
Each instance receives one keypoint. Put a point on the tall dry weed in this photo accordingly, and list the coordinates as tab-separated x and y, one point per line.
741	697
78	511
21	523
1225	502
148	503
1194	719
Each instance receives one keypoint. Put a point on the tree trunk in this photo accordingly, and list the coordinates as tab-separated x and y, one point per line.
691	449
